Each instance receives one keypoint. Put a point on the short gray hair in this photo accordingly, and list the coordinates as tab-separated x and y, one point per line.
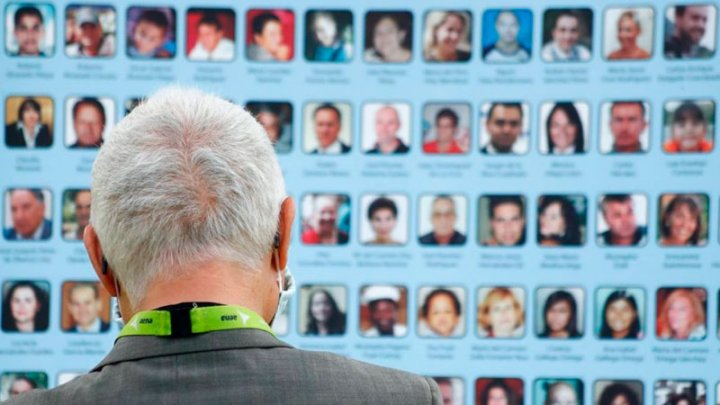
186	177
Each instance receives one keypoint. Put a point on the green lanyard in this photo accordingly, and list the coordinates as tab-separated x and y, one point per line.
202	319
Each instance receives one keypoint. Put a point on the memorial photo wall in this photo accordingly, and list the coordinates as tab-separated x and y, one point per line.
516	199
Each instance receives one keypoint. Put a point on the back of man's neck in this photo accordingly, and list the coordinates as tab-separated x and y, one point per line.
214	282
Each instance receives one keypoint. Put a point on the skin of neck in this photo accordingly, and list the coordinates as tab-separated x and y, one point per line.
216	281
389	145
25	326
620	240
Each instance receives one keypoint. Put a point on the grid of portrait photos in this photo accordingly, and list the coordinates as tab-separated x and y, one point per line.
424	238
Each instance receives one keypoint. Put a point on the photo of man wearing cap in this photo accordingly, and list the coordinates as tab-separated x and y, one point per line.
89	32
383	304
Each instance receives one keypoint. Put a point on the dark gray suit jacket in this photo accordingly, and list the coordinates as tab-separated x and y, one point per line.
244	366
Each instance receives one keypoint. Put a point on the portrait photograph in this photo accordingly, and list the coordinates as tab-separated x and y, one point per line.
327	128
25	306
558	391
564	128
446	128
567	35
88	121
562	220
210	34
680	392
689	126
504	128
85	307
622	220
501	312
507	35
384	219
90	31
620	313
447	36
131	103
386	128
499	390
270	35
452	389
683	220
383	311
325	219
502	220
442	220
151	33
690	31
628	33
276	117
28	214
75	213
29	30
559	312
29	122
610	392
625	127
441	312
322	310
13	384
388	36
329	36
681	313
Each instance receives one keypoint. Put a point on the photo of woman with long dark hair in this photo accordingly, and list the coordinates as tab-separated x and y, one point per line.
620	317
323	316
560	316
25	307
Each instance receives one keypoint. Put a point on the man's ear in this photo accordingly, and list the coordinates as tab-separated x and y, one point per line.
287	216
97	259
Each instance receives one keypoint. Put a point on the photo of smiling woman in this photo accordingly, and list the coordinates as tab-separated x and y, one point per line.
683	219
322	310
628	33
441	314
621	313
388	37
447	36
681	313
325	219
565	128
559	312
25	306
501	312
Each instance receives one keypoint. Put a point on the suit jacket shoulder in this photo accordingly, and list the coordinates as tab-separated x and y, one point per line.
235	366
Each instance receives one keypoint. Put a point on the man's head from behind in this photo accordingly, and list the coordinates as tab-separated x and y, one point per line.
210	31
85	304
691	22
186	179
27	209
29	30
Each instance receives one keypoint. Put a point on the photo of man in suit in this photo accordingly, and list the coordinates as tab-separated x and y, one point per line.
27	211
327	121
85	307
